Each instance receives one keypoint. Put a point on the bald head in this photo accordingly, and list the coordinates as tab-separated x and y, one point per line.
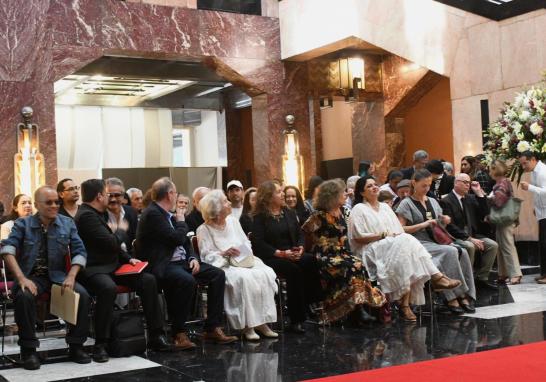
198	194
46	201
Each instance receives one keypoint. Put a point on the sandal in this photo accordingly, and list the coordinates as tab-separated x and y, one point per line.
515	280
443	282
407	314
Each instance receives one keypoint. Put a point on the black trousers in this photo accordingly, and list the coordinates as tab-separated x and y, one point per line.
25	314
103	286
542	245
179	286
302	283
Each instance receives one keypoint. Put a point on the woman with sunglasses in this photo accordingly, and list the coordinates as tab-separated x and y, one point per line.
21	206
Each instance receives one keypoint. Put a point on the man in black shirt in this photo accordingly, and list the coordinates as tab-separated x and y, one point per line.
69	193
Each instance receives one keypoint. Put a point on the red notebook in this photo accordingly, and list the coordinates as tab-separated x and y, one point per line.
128	269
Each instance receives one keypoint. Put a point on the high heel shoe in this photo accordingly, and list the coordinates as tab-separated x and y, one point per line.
443	282
250	335
266	331
406	314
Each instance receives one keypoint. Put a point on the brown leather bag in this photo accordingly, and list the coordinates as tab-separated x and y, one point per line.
441	236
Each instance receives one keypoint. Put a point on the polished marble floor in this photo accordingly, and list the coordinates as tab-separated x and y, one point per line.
503	318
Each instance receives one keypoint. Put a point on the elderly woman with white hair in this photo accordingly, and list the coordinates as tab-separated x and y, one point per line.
249	299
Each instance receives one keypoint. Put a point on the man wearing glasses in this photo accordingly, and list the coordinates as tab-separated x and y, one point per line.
107	250
35	253
69	194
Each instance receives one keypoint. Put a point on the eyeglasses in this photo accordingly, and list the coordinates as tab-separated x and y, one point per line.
114	194
464	181
74	188
51	202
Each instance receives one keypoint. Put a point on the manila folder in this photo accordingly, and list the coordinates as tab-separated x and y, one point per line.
64	305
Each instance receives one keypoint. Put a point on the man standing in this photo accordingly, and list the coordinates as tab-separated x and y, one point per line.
530	163
194	218
69	193
162	241
420	160
235	195
106	250
35	253
466	211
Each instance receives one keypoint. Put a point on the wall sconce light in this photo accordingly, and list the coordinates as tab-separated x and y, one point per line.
351	77
292	161
29	169
326	102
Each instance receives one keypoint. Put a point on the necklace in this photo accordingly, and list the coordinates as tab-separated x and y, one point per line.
277	217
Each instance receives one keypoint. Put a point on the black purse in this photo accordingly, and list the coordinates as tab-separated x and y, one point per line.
127	334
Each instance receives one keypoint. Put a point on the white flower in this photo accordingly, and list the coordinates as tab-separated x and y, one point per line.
536	129
519	100
523	146
524	115
516	126
504	145
543	148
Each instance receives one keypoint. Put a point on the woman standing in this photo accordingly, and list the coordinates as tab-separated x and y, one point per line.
278	240
294	201
397	259
418	214
21	206
249	299
342	274
249	206
507	259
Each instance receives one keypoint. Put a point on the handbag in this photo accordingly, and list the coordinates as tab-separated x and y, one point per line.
126	334
507	214
247	262
440	235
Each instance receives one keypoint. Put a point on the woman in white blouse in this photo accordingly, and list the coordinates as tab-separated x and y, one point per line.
21	207
249	299
396	259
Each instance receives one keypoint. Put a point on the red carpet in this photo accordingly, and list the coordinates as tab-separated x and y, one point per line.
525	363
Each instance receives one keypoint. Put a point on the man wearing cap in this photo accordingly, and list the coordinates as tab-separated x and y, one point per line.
235	194
403	189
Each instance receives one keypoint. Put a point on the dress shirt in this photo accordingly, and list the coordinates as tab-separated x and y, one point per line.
538	188
179	252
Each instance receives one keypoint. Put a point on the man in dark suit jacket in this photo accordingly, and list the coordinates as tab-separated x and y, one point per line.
162	241
420	160
466	211
442	184
106	249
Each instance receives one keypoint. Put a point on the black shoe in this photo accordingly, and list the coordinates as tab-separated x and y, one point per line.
468	308
160	343
99	353
485	284
78	355
296	328
30	359
456	310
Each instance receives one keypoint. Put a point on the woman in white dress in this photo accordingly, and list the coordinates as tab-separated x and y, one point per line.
21	206
249	299
396	259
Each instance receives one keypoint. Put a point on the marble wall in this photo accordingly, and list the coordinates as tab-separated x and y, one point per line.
47	40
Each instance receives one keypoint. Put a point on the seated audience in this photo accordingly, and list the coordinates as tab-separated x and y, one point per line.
69	194
278	240
448	168
162	241
385	197
393	178
342	275
403	190
294	201
313	184
120	216
249	299
466	211
194	218
418	214
396	259
106	250
21	207
442	184
36	267
135	199
183	203
507	259
420	160
351	182
126	200
235	194
249	208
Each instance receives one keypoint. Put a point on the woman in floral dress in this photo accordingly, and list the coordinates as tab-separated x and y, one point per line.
343	277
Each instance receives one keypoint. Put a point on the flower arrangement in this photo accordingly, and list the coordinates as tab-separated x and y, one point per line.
520	127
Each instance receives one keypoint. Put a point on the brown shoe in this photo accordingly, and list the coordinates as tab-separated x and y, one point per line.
443	282
217	335
182	342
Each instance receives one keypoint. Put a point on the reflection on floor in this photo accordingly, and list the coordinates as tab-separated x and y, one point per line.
339	350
